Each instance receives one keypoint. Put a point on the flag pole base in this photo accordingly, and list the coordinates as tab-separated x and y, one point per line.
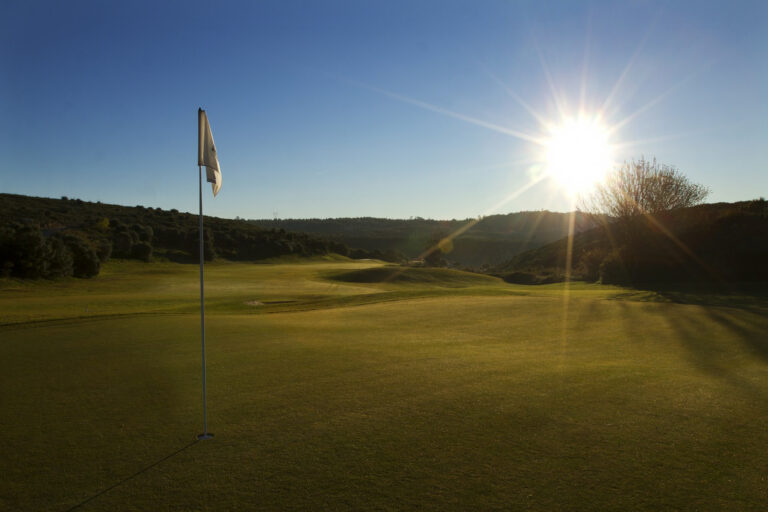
203	437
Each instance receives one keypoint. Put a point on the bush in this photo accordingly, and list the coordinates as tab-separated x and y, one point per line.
101	224
520	278
613	269
103	249
146	233
85	261
530	278
209	249
142	251
29	253
7	236
122	244
60	259
192	243
590	262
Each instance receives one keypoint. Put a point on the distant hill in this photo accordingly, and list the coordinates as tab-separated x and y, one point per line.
44	237
489	241
718	243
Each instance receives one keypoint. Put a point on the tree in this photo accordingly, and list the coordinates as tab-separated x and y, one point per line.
142	251
60	259
29	252
439	243
122	244
637	196
85	261
643	187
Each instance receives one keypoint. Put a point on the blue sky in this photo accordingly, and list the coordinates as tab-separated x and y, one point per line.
308	101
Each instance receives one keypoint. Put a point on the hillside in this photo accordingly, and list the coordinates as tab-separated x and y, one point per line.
716	243
489	241
46	237
43	237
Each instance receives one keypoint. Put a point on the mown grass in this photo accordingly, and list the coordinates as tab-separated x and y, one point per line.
413	275
429	397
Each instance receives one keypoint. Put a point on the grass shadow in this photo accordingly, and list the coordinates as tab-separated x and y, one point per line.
700	332
751	297
134	475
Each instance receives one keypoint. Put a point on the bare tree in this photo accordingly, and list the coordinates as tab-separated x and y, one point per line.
643	187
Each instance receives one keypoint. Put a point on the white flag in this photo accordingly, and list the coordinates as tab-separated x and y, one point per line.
206	151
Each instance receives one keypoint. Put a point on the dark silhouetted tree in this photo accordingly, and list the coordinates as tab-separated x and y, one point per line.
60	260
29	253
142	251
643	187
85	261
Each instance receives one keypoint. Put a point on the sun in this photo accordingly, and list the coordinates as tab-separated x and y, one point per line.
578	154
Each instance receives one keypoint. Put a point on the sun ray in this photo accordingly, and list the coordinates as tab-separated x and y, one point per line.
679	243
671	236
658	99
567	283
470	224
538	117
652	140
585	66
440	110
615	89
529	235
518	162
559	102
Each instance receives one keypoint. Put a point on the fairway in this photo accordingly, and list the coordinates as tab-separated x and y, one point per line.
336	385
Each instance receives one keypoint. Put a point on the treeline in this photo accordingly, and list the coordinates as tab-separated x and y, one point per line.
482	242
25	252
716	243
46	238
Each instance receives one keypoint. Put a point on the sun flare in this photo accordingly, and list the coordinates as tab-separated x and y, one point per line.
578	154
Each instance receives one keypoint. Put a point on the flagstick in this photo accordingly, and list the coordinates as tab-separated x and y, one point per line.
205	434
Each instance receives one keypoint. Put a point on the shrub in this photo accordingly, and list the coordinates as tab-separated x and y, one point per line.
7	256
142	251
145	233
122	245
29	253
60	258
520	278
102	224
85	261
590	262
530	278
193	244
103	249
613	269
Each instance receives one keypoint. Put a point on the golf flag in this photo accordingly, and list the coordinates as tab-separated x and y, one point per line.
206	152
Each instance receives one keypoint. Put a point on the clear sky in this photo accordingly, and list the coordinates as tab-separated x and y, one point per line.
371	108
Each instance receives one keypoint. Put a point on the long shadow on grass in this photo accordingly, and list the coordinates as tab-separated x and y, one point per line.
127	479
713	355
732	311
747	297
724	307
707	349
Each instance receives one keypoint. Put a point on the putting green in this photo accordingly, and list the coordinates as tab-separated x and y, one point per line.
376	395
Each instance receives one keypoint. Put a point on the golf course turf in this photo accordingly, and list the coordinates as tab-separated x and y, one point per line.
345	385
